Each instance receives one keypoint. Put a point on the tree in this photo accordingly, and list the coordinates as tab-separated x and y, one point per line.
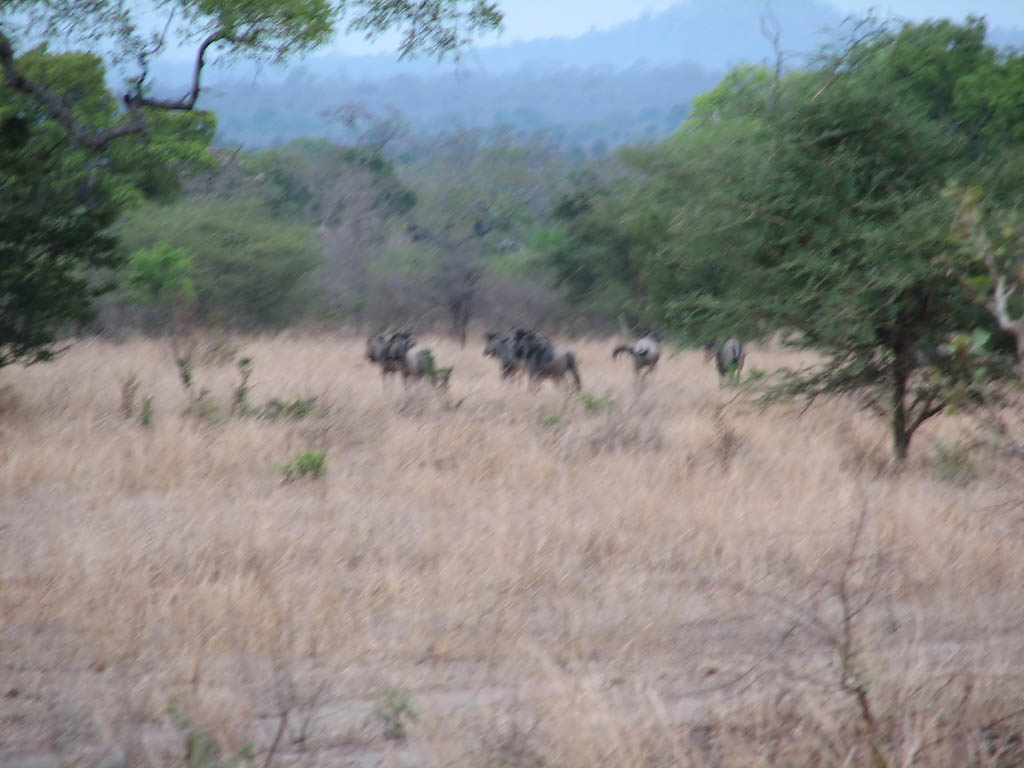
247	270
159	278
479	199
58	203
847	203
812	204
74	158
351	195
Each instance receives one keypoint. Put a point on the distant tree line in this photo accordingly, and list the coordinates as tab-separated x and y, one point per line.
587	113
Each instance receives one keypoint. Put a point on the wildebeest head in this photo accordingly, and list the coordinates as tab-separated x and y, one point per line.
376	347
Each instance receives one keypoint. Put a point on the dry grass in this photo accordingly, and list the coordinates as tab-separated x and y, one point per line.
672	578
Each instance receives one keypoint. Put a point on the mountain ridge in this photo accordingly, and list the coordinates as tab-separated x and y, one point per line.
606	87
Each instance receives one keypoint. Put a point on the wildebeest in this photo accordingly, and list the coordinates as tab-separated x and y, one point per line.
393	356
729	356
502	346
646	351
388	352
543	360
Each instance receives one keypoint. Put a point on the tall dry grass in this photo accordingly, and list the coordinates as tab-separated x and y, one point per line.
667	577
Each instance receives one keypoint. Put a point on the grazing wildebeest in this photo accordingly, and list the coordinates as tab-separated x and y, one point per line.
392	355
543	360
646	352
503	347
729	356
387	352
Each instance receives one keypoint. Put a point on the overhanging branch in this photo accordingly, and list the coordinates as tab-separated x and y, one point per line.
55	107
187	102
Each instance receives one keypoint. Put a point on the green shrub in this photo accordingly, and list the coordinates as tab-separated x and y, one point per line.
159	279
393	710
296	409
306	464
205	408
441	377
201	750
597	403
240	402
550	420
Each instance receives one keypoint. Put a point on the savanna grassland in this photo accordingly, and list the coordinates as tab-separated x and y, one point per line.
493	576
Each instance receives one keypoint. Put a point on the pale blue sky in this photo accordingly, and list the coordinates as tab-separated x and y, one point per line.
529	19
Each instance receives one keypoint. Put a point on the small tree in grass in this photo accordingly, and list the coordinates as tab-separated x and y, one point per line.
159	279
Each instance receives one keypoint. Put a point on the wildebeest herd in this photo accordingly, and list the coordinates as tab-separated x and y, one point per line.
523	351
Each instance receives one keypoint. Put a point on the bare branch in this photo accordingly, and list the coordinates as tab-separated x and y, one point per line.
59	111
99	140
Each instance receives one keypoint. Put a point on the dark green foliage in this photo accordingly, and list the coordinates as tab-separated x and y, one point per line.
248	269
146	414
159	280
58	202
305	464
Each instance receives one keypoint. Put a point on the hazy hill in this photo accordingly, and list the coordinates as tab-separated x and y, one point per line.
603	88
715	34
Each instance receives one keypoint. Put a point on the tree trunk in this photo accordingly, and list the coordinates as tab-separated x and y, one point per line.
900	434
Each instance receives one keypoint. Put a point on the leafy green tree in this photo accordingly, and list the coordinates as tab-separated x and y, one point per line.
58	202
812	204
159	278
74	157
319	182
247	269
